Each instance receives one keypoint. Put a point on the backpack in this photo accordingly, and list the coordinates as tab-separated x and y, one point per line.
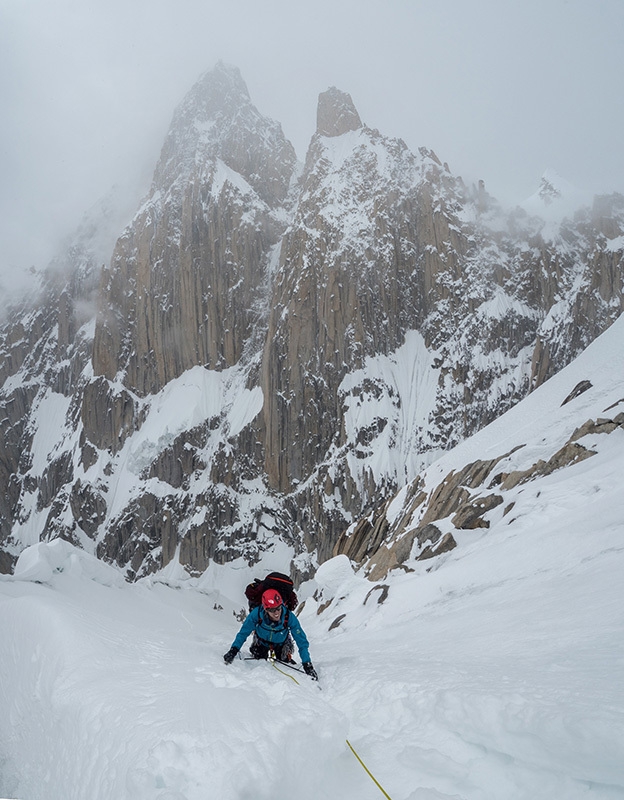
274	580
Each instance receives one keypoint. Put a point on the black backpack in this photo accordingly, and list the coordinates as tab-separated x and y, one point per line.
274	580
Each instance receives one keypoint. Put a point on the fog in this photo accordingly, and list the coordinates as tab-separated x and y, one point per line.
500	89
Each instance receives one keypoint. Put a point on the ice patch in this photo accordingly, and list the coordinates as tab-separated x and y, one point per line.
50	429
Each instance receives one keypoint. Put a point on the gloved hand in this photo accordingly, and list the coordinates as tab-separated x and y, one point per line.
230	655
309	670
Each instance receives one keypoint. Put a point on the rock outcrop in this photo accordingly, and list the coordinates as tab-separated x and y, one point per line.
463	500
336	114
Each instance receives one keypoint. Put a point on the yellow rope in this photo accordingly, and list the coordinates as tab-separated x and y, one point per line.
369	773
272	659
292	677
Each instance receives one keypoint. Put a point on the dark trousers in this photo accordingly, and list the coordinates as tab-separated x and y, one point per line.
260	649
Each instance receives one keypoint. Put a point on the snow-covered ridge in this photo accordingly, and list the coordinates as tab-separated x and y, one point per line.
351	175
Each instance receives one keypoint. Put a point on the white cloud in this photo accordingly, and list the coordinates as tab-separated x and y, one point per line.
500	90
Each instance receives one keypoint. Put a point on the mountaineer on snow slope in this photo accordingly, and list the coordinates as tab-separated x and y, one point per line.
270	623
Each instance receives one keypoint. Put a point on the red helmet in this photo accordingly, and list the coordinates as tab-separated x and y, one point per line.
271	599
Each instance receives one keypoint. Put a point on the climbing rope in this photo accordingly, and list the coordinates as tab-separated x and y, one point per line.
368	772
281	671
273	659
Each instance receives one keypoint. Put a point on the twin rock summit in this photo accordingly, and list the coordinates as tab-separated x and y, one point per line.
274	349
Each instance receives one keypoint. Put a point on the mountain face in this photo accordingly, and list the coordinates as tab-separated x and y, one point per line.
274	349
187	276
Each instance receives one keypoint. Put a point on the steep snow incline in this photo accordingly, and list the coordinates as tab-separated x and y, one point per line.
121	692
496	674
492	672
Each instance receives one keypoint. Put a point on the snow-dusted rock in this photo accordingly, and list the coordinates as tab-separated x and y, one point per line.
279	349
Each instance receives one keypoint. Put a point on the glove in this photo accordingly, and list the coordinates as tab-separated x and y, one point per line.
309	670
230	655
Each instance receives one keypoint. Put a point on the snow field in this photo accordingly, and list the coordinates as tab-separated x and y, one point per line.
494	675
124	698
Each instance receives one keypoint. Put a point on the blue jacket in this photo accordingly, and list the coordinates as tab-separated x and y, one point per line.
273	632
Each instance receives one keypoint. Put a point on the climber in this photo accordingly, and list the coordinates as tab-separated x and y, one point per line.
270	623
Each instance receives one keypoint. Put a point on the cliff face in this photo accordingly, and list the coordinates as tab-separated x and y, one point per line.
189	273
278	348
45	351
347	286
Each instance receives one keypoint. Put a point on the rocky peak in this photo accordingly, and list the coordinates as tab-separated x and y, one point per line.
336	113
219	90
217	120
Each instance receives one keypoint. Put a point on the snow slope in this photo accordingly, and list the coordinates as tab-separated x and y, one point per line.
491	673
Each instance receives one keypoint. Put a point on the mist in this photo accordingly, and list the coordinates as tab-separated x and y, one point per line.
501	91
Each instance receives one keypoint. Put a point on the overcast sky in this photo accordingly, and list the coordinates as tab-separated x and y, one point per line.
500	89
